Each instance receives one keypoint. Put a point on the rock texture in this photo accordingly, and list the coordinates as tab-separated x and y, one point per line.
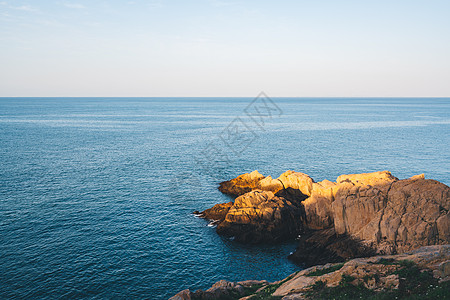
358	215
261	216
396	216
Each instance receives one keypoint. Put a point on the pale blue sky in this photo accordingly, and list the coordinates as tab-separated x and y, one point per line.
225	48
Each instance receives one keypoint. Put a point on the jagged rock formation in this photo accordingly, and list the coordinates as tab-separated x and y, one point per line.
261	216
375	211
424	271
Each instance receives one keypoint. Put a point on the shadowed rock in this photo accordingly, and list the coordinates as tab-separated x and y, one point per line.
325	246
260	216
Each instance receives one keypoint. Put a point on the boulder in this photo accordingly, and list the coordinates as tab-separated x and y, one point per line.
183	295
373	179
297	181
318	210
261	216
319	206
377	273
242	184
270	184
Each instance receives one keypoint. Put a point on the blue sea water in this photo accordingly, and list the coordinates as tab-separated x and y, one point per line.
97	194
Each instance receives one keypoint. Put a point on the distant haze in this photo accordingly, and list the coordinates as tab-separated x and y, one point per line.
225	48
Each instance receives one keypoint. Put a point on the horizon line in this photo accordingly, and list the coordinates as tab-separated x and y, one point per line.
331	97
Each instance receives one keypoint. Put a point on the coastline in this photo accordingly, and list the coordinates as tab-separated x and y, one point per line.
358	219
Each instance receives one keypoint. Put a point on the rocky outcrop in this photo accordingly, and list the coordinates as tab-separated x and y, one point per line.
261	216
270	184
375	211
424	272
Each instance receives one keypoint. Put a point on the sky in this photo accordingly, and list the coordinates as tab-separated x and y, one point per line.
203	48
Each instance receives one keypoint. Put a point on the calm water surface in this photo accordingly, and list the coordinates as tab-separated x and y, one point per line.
97	194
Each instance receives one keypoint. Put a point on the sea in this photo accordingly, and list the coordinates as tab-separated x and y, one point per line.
97	194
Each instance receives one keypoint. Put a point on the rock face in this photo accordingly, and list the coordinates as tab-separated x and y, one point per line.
397	216
261	216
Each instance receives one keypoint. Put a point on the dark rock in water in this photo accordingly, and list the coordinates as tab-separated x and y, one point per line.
325	246
242	184
260	216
